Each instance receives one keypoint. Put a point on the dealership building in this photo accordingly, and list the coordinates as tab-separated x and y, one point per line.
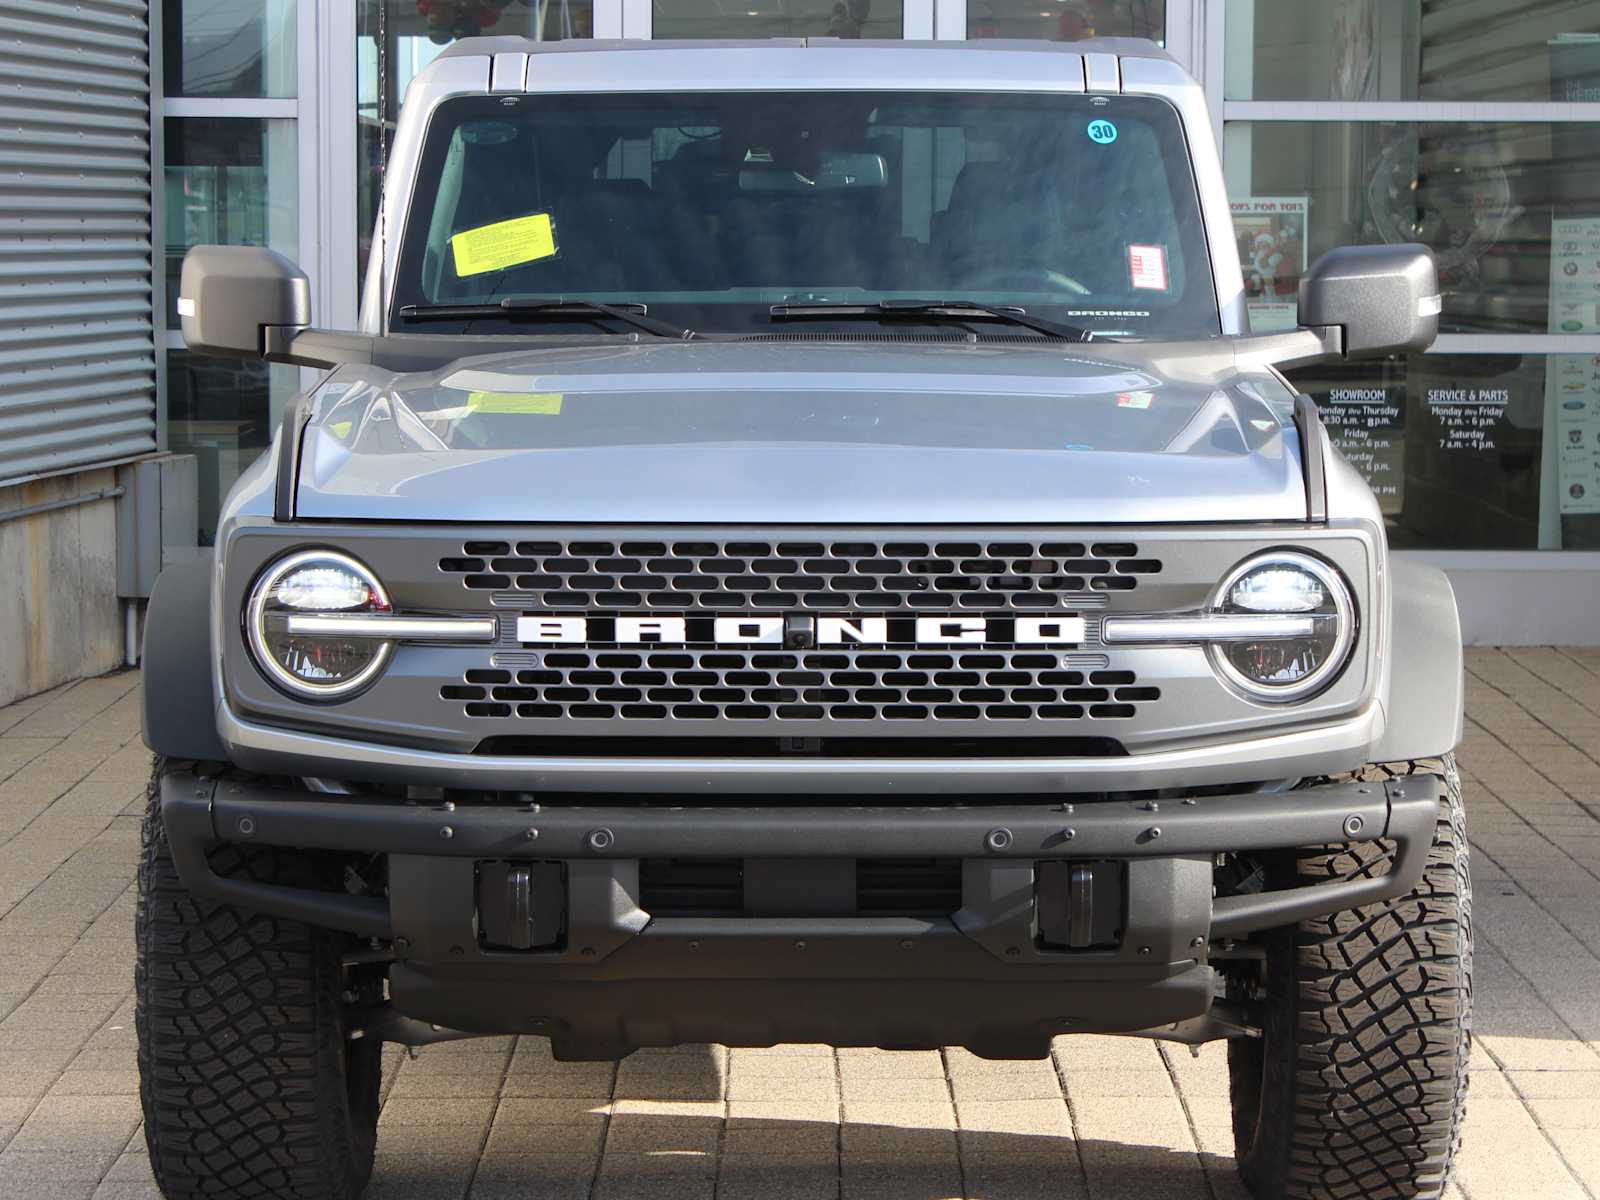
133	129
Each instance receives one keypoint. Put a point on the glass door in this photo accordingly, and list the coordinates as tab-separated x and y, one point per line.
232	173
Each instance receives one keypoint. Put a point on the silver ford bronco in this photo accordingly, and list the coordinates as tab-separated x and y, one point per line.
803	547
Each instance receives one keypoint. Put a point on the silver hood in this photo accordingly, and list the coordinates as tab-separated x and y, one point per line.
785	432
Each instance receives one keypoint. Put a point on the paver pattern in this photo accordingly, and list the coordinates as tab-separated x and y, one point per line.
1104	1118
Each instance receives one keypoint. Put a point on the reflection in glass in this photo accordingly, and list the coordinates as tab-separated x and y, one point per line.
778	18
229	47
229	181
412	34
1067	20
223	412
1484	197
1471	451
1519	50
443	21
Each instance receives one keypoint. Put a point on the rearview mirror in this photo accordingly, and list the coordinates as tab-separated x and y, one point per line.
837	171
228	295
1384	298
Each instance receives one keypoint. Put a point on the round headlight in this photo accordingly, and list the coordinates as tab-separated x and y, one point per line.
320	666
1311	603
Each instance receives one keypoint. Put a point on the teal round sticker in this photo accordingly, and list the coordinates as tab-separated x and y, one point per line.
1103	132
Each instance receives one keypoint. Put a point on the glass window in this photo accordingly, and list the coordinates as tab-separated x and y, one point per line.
1523	50
412	34
1067	20
229	47
778	18
229	181
223	412
1472	452
1489	199
715	207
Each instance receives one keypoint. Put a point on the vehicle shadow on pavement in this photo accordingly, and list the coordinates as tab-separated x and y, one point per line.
794	1122
676	1156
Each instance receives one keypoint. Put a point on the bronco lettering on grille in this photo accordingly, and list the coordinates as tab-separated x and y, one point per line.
828	631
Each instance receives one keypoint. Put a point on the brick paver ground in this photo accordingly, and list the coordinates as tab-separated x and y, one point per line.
1103	1118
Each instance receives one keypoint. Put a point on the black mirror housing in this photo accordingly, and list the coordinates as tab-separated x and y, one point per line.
1384	298
228	296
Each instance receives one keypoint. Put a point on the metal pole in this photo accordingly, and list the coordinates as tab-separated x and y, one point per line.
66	502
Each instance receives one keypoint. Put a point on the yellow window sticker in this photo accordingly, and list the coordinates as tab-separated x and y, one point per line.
545	403
503	244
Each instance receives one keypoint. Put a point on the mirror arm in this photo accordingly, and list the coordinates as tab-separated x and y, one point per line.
303	346
324	349
1309	343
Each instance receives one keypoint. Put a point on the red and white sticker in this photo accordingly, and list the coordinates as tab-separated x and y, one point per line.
1147	267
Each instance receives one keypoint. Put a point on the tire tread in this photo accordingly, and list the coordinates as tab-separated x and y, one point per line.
1360	1089
242	1067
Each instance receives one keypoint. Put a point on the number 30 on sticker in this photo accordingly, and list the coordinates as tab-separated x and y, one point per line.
1103	132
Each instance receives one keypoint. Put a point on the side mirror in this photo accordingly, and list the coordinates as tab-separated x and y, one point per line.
229	294
1384	298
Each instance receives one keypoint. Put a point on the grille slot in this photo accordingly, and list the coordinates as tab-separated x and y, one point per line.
722	684
947	743
885	887
833	576
692	887
908	887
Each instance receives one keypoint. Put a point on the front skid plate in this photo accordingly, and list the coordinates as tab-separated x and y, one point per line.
999	1018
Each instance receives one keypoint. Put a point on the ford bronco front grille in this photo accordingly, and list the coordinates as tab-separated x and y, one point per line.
858	667
838	576
845	685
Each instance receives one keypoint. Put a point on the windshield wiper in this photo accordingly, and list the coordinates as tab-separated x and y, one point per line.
954	310
534	307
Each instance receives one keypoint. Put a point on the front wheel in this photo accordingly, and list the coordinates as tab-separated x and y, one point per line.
251	1089
1357	1086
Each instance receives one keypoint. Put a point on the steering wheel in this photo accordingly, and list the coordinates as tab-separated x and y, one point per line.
1023	278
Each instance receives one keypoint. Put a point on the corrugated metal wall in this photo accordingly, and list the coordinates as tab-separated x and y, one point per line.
77	339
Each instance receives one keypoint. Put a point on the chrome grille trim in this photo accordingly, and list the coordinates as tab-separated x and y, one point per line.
393	627
1210	627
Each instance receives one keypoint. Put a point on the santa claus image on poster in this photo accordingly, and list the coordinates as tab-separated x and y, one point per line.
1265	260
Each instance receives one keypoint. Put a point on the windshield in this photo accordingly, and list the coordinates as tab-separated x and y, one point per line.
710	209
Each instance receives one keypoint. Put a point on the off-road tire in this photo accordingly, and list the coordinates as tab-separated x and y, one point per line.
1357	1088
250	1088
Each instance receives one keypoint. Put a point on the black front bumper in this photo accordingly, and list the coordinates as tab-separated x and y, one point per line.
981	976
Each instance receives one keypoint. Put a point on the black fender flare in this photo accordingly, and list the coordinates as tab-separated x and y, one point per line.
178	705
1426	709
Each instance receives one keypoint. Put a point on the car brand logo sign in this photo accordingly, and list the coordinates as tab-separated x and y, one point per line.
554	630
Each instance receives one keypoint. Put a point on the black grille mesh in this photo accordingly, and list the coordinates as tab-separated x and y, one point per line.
853	685
834	576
